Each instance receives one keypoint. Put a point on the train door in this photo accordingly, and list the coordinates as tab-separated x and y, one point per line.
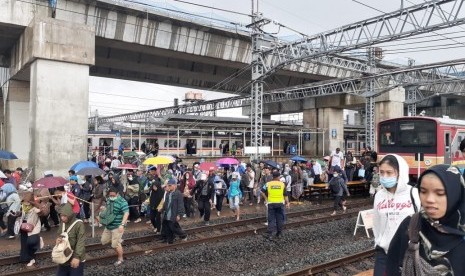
191	146
447	149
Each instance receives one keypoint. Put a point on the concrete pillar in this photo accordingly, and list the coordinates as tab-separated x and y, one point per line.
16	122
332	121
55	55
58	116
389	105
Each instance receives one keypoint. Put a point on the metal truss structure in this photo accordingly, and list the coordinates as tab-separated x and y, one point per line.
418	19
425	81
410	21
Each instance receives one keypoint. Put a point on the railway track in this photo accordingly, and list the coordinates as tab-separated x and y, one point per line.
98	254
345	264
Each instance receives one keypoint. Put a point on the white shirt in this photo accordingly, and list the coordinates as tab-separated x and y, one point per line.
251	178
317	168
336	158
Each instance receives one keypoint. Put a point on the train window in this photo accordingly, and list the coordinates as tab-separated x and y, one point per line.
417	133
171	144
208	144
387	134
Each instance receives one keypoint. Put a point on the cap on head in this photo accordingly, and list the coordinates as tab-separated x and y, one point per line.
235	175
172	181
73	178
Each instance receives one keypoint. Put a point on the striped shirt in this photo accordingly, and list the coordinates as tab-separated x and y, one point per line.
120	207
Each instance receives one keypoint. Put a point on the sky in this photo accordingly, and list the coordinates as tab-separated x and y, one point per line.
110	96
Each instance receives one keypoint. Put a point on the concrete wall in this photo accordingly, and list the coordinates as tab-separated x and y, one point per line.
58	115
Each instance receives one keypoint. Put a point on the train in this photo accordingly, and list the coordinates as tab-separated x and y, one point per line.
195	143
422	141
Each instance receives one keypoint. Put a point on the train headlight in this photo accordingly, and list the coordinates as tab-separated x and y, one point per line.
427	162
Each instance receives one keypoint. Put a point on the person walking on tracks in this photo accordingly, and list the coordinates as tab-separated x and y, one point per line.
391	206
114	217
275	193
338	187
431	242
76	238
173	210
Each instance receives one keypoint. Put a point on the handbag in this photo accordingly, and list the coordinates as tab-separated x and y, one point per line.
26	227
107	216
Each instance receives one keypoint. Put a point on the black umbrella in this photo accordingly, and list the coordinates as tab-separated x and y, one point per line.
90	171
272	164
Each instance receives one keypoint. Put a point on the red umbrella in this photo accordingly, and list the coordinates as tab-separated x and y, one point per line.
127	166
50	182
227	161
207	166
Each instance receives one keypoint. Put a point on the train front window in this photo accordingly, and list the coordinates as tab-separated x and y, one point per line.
407	136
417	133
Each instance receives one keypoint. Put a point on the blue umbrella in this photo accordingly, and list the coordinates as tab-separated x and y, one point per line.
83	164
6	155
297	158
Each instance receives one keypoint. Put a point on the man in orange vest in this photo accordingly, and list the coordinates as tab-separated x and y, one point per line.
275	196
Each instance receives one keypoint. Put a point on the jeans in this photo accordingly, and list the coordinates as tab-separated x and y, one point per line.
275	218
204	208
67	270
11	225
380	262
337	202
189	206
134	209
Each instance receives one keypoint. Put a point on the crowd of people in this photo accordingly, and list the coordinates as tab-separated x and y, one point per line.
165	196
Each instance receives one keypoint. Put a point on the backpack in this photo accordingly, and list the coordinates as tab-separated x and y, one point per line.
62	252
335	185
245	180
107	216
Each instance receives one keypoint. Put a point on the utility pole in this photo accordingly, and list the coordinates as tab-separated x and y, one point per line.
256	107
411	95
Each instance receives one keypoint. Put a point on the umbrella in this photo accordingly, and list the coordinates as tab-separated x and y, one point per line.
130	154
90	171
6	155
127	166
2	175
271	163
297	158
207	166
158	160
50	182
171	157
83	164
227	161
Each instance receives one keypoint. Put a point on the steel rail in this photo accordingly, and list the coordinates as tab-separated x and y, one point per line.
188	243
98	246
319	268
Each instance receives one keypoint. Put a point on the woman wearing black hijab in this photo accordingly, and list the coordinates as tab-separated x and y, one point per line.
441	228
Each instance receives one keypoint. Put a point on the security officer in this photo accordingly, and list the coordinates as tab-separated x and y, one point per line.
275	195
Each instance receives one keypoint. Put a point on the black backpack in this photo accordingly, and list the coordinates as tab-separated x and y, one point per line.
335	185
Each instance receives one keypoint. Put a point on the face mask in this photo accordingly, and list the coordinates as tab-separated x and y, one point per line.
336	175
130	177
112	198
388	182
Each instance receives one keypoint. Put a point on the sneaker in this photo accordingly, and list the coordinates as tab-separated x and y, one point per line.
137	220
184	216
218	213
11	237
31	263
344	209
41	243
207	223
148	222
333	213
43	229
184	239
119	262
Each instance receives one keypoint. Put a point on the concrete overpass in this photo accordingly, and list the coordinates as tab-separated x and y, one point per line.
46	63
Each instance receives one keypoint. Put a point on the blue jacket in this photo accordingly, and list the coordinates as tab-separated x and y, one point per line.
234	188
